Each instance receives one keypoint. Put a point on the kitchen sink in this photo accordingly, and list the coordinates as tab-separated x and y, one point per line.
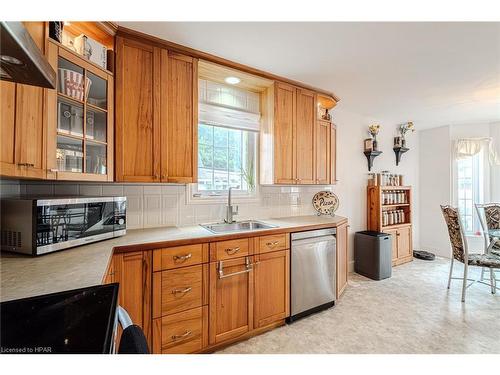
239	226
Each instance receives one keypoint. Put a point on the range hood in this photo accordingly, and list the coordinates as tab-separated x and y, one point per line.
21	60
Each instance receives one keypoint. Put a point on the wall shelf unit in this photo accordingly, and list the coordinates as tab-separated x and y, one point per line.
399	151
370	156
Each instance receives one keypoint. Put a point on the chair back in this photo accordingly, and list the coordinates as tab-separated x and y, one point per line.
133	340
492	215
456	233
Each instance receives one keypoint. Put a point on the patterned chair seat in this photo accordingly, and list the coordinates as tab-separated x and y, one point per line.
484	260
495	249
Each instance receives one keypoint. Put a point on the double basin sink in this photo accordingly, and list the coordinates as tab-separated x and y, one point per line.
241	226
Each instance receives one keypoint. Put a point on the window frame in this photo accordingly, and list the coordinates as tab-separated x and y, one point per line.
480	190
196	196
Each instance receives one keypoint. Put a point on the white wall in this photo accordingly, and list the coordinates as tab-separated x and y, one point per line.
495	171
436	182
435	188
353	169
153	205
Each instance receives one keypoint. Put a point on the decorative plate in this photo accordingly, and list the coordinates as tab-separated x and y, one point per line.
325	203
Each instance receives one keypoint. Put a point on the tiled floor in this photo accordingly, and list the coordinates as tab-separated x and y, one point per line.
412	312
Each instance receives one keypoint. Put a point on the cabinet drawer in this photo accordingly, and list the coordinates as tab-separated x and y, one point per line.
273	243
179	333
177	290
229	249
179	256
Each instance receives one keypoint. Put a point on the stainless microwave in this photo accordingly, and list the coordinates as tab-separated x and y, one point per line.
38	226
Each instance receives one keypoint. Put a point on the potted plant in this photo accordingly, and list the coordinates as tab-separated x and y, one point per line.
405	128
373	130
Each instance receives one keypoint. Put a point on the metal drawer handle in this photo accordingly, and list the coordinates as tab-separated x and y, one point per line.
26	164
183	336
182	258
232	251
248	268
182	291
272	244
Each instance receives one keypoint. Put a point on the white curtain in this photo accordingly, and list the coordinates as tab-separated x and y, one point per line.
471	146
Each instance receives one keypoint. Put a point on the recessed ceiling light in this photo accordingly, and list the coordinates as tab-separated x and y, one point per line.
232	80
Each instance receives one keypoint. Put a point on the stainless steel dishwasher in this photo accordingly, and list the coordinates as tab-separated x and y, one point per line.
312	272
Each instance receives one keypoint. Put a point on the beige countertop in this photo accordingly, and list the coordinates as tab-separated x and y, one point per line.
25	276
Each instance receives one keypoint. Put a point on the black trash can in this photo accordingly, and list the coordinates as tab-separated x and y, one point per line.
373	254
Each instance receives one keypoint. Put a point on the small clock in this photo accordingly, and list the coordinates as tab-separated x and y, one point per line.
325	203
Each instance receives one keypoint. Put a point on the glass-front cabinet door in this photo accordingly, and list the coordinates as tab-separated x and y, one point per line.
81	128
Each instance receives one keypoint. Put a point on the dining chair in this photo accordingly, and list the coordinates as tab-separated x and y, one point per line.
489	218
460	252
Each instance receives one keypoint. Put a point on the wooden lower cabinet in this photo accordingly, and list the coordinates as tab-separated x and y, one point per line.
342	260
186	304
180	333
394	244
133	272
272	288
231	297
402	248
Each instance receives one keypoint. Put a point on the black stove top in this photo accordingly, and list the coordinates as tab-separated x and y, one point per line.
73	321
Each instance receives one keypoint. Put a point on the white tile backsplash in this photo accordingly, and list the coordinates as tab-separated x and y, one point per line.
91	190
112	190
66	189
40	189
152	216
166	205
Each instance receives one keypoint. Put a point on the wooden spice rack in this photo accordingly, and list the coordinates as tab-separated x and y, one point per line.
401	232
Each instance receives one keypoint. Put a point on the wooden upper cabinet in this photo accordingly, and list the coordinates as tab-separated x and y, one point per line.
156	114
23	122
323	154
29	134
302	149
137	148
179	135
284	123
8	165
305	132
333	154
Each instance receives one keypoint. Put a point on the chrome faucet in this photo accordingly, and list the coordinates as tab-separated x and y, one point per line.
230	210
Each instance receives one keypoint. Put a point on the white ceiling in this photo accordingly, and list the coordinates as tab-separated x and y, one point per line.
432	73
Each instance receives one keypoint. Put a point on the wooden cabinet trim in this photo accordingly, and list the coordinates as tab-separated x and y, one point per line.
137	35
